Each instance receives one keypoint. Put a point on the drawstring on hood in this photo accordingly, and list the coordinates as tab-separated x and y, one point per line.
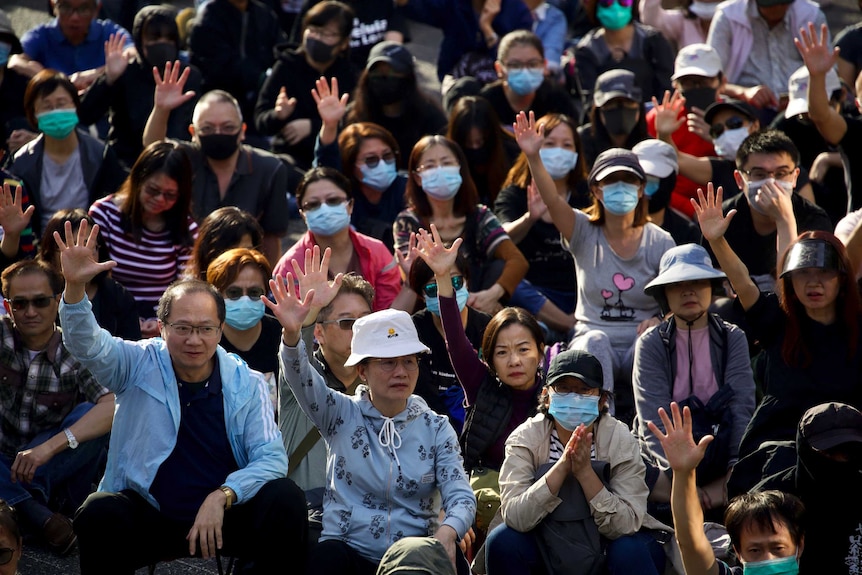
388	436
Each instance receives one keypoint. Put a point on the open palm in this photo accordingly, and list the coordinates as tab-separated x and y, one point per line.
529	136
330	107
430	247
13	219
818	55
78	255
169	90
682	453
288	309
713	222
314	277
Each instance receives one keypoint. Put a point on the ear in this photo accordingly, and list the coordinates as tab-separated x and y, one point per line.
498	67
318	334
161	329
350	206
192	130
740	182
754	127
242	132
7	307
361	369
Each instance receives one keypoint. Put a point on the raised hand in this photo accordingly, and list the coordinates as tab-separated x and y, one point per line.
818	55
314	277
668	113
536	207
490	9
405	260
713	222
288	309
169	93
330	107
529	136
284	106
78	256
682	453
430	247
116	61
12	218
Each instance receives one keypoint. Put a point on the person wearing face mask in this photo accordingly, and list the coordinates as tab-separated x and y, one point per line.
549	289
15	131
658	160
766	528
285	108
325	200
227	172
64	167
440	191
575	460
683	26
522	69
620	41
125	91
616	249
617	118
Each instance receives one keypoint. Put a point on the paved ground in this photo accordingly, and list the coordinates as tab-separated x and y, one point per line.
27	13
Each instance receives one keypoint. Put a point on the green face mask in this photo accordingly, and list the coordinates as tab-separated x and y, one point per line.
782	566
615	16
58	123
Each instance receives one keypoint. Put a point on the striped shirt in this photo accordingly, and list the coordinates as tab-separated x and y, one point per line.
145	268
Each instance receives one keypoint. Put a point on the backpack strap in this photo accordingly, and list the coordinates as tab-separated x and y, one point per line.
308	442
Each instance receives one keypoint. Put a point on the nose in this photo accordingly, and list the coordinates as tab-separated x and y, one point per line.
30	310
400	369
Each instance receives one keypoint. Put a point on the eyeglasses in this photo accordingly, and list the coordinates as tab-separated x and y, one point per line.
313	205
345	323
185	330
372	161
155	192
6	554
67	10
324	34
430	289
20	303
389	365
207	130
565	389
732	123
609	3
516	65
235	292
757	174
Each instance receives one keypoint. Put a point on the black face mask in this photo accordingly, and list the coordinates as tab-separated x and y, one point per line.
621	121
319	51
477	156
699	97
219	146
387	89
160	52
661	198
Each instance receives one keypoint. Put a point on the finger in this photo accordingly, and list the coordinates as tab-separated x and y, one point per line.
334	86
211	548
157	77
324	262
192	537
704	442
676	416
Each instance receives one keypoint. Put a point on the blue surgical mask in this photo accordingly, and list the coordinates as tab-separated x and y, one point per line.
381	176
327	220
615	16
652	185
526	80
432	304
5	50
573	409
243	313
441	183
782	566
558	161
58	124
620	198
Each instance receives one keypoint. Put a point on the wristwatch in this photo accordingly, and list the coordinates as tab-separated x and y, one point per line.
70	437
229	496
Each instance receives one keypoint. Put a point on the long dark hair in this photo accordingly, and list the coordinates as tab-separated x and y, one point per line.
220	231
520	175
366	109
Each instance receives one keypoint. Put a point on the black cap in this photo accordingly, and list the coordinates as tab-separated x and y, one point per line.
828	425
616	160
392	53
811	253
575	363
616	83
738	105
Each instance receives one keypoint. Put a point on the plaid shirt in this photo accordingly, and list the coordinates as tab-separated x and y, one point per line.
36	395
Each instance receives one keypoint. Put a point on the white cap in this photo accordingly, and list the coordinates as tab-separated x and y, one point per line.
386	333
797	87
657	158
697	60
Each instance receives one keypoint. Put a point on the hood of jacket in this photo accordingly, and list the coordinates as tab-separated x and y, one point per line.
143	16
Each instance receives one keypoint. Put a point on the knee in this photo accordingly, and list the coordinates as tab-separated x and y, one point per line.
282	496
628	550
506	546
594	341
97	511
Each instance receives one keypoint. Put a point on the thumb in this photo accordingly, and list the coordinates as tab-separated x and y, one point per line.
704	442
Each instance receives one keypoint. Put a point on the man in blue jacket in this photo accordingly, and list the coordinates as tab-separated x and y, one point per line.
196	464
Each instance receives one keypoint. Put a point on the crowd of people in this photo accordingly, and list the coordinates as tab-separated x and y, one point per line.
601	289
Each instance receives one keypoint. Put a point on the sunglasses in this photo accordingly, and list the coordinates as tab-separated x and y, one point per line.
312	205
6	555
234	293
20	304
732	123
372	161
430	289
609	3
345	323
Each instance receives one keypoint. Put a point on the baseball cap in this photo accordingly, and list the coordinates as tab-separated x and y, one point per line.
688	262
657	158
386	333
697	60
615	160
827	425
797	88
575	363
615	83
737	105
392	53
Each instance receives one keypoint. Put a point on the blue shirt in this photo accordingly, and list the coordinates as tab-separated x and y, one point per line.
47	45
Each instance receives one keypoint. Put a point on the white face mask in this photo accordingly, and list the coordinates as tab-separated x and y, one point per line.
754	187
703	10
729	141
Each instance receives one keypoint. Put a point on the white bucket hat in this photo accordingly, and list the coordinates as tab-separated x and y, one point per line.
386	333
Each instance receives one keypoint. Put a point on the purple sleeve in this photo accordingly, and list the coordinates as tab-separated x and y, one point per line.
469	369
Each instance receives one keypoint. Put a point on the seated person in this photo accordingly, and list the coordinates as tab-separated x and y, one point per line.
285	108
549	26
659	161
574	459
55	424
64	167
226	171
693	358
11	540
549	289
617	118
379	439
325	200
125	91
684	25
196	466
766	528
72	43
224	229
18	240
15	131
523	85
